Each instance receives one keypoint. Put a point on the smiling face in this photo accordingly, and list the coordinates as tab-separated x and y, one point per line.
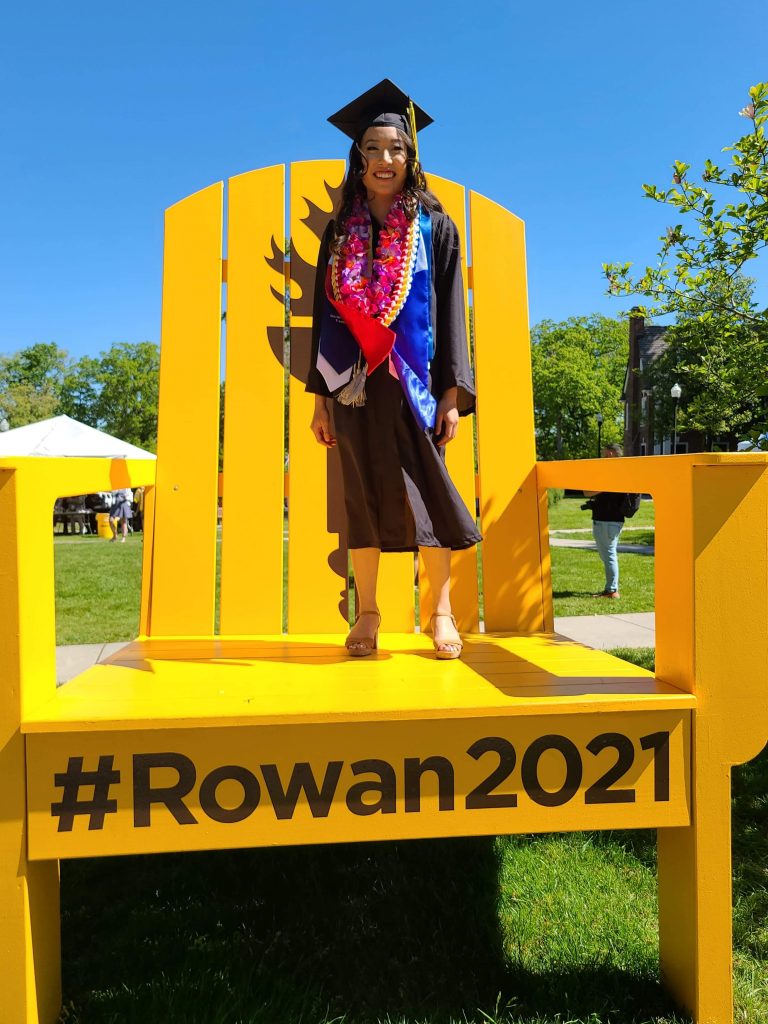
385	159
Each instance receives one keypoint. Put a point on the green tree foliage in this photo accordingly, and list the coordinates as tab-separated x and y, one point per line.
31	382
719	346
579	367
118	392
720	365
700	263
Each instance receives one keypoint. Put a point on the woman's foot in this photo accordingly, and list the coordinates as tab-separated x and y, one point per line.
445	636
363	638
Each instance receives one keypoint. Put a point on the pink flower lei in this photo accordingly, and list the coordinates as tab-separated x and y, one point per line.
383	294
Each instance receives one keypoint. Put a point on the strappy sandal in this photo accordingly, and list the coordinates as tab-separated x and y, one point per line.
364	645
440	653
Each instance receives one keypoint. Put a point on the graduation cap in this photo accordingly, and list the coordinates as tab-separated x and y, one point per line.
384	105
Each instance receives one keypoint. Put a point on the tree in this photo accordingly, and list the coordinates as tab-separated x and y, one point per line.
117	392
719	345
720	366
700	266
579	367
30	383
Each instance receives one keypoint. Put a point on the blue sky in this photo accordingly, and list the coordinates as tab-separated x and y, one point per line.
558	111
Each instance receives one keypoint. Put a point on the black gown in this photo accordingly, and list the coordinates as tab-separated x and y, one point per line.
397	492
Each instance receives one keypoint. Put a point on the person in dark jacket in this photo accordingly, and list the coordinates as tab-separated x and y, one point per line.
607	521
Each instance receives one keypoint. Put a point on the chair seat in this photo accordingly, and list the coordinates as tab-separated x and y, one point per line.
203	682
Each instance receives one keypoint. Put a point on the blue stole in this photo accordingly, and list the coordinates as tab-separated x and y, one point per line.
412	344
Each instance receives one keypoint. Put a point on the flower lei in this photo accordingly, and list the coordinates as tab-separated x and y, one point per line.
383	294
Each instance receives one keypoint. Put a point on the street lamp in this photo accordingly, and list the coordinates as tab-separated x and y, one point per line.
675	391
599	434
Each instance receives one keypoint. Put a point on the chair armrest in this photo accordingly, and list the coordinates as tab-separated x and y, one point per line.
28	488
647	474
711	578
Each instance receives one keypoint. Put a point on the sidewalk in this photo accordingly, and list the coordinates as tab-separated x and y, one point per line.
600	631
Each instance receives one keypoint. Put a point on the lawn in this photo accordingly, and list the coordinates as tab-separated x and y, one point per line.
577	573
98	586
98	589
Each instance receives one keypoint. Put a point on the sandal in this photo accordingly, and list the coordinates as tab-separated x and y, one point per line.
363	645
440	645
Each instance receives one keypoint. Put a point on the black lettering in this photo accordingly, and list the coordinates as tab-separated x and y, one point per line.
386	787
319	800
144	795
211	782
600	792
658	742
482	796
415	768
529	770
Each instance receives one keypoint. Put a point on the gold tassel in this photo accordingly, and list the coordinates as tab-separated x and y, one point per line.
354	392
412	116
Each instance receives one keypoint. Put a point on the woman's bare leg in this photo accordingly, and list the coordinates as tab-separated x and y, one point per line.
365	565
437	562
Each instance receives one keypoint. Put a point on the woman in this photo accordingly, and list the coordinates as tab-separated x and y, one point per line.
389	344
120	512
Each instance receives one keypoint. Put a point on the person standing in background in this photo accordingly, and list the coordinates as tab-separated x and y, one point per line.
120	512
608	513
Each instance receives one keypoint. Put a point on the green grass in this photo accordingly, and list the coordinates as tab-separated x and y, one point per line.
577	573
98	589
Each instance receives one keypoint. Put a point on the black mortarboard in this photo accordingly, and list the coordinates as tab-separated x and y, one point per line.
384	104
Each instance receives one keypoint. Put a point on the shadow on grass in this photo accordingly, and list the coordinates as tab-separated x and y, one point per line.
403	931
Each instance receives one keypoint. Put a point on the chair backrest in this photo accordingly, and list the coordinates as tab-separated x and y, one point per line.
252	271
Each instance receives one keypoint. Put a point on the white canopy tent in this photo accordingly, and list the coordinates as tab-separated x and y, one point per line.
64	437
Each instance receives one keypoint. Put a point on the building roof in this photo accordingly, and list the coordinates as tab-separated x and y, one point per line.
651	343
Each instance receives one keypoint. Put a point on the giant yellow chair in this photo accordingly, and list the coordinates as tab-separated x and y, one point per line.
194	739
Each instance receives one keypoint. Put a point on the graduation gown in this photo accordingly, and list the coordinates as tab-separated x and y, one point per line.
397	492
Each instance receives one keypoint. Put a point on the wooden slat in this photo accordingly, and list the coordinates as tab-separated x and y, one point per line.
317	549
513	586
459	453
252	524
183	578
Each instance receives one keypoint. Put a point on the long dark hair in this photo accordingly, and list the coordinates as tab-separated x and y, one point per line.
415	190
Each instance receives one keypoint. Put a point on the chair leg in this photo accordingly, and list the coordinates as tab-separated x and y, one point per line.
30	945
695	900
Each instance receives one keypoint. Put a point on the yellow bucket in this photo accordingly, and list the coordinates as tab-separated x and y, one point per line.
102	525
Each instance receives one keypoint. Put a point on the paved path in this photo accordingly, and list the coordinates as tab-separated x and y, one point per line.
600	631
630	549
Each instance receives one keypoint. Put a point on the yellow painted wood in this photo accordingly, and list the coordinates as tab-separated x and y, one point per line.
514	592
265	759
730	668
188	425
460	452
283	679
317	549
29	898
252	524
711	512
396	591
261	700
